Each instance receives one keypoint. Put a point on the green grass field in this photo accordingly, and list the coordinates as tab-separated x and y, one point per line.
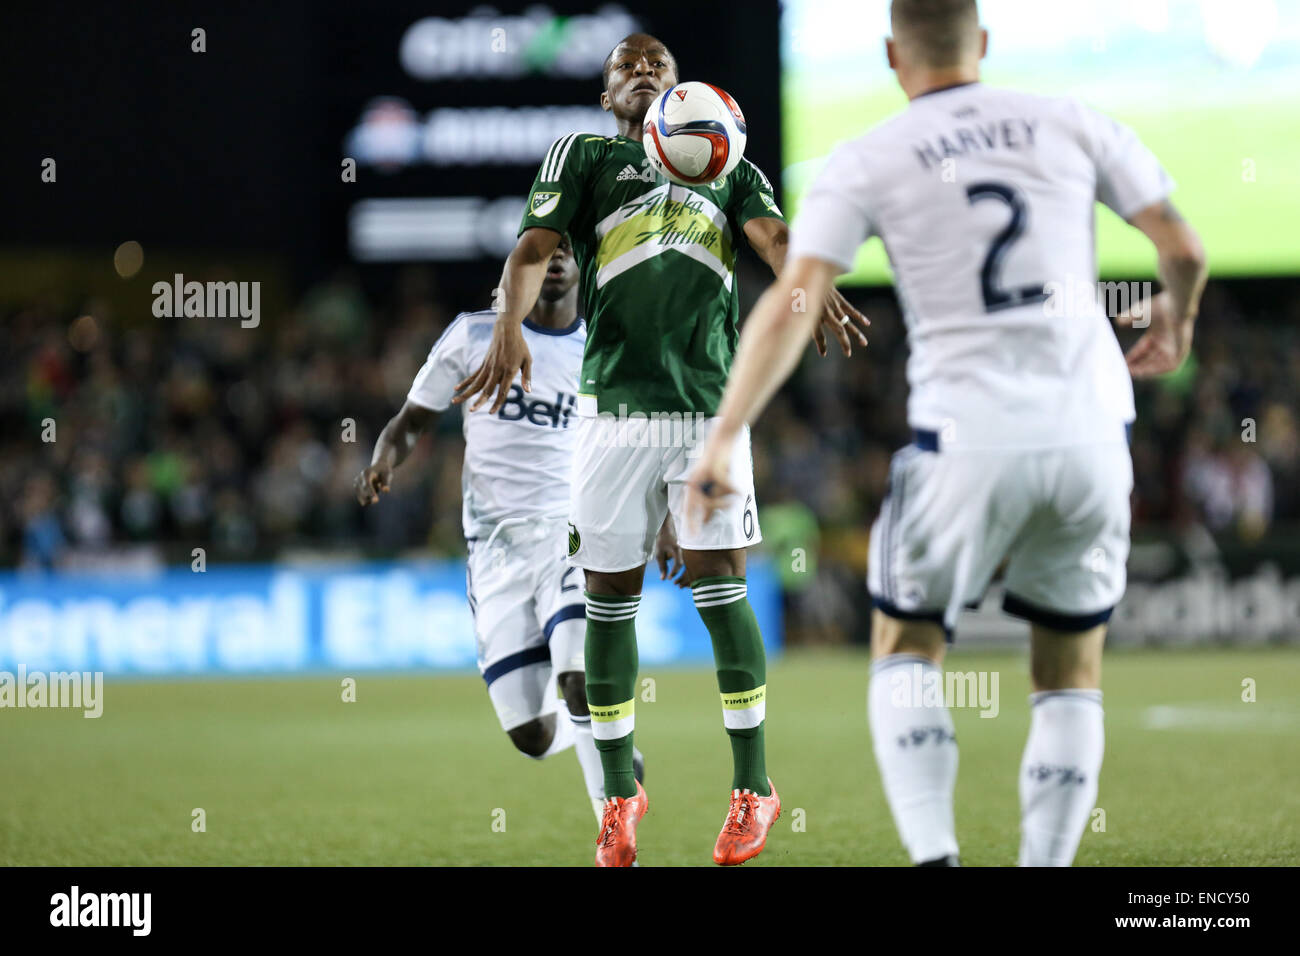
414	771
1231	184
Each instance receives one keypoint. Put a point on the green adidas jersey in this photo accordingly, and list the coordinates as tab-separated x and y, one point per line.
658	271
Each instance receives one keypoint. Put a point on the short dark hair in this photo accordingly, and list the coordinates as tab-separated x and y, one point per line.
630	38
939	31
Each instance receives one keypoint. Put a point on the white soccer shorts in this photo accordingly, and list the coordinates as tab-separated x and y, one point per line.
628	475
522	591
1058	516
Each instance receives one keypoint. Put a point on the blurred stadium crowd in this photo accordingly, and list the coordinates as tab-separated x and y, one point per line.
170	434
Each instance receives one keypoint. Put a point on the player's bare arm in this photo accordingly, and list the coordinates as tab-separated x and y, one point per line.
391	449
508	355
770	238
1172	313
768	352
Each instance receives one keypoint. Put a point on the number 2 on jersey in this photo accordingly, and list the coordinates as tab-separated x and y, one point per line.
996	297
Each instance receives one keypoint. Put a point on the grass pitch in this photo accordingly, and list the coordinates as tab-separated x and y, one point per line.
416	771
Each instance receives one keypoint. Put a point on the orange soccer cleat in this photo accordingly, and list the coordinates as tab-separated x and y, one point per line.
744	834
616	844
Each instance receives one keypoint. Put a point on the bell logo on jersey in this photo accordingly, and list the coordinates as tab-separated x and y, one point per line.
538	411
543	204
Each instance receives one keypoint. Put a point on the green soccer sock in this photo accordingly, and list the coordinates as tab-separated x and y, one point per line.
742	675
611	685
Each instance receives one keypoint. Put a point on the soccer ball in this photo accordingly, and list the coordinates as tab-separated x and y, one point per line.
694	134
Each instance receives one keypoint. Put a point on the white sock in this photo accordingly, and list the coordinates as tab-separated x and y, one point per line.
916	751
584	745
1058	774
563	738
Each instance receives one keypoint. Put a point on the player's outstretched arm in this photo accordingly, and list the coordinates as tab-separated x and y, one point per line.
1172	313
391	448
770	238
769	349
508	355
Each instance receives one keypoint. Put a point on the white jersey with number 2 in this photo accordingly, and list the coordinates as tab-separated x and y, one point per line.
985	201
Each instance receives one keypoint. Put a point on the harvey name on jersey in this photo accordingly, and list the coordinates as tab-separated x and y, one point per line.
516	461
1017	133
984	199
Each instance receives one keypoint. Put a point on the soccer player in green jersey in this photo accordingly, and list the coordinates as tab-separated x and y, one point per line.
659	285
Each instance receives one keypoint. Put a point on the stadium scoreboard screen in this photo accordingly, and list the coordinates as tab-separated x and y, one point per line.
462	111
448	115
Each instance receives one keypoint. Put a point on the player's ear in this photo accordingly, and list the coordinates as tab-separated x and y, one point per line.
890	56
984	43
605	103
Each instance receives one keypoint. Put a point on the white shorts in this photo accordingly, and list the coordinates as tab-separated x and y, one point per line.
523	592
1058	516
628	475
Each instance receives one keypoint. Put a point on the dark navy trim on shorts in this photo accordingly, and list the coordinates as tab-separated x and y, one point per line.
934	617
469	592
894	500
534	655
529	655
571	613
1018	607
925	439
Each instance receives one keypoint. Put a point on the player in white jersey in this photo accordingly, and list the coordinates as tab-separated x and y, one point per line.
1020	402
529	613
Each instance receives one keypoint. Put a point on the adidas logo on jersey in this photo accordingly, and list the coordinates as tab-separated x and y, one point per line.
646	175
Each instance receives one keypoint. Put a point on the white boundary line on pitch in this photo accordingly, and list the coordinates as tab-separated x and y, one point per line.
1231	718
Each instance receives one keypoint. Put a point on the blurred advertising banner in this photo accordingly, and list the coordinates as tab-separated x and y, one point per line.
269	619
1183	590
1201	608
